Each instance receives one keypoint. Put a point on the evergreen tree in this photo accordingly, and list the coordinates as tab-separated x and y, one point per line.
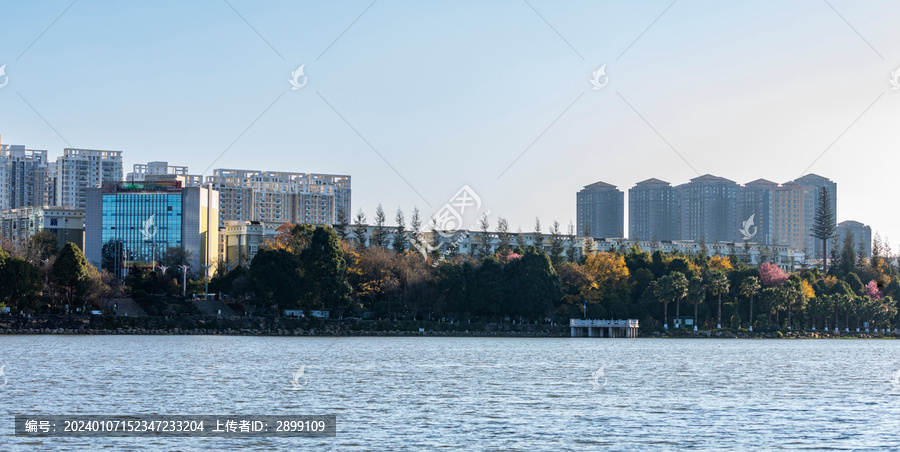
484	225
847	260
399	244
533	285
22	282
538	237
435	251
325	271
824	226
340	224
380	219
360	230
556	245
571	254
70	271
276	278
415	227
503	235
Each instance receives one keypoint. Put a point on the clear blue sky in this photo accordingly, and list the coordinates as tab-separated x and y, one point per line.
451	93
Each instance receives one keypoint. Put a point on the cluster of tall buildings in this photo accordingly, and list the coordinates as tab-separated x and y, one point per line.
121	221
712	209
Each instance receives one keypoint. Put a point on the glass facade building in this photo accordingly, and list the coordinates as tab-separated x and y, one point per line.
143	224
130	224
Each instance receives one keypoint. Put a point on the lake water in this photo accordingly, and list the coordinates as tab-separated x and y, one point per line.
421	393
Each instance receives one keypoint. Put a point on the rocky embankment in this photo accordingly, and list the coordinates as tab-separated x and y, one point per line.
247	326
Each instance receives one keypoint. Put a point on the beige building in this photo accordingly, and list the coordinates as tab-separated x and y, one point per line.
66	223
239	241
281	197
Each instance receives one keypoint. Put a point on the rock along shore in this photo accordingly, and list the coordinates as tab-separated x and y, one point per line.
246	326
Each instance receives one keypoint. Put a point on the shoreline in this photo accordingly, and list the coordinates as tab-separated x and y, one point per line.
428	333
195	325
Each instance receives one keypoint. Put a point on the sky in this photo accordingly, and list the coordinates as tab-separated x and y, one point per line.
415	100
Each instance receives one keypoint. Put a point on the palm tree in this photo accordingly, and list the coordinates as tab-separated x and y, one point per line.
679	291
696	292
718	284
792	294
671	287
749	288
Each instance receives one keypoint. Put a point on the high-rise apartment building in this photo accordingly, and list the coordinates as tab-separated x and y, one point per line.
862	237
161	171
818	183
707	207
653	211
23	178
795	209
755	201
80	169
600	210
281	197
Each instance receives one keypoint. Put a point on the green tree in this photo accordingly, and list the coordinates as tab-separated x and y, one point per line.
556	245
696	295
276	278
415	227
380	219
111	255
718	284
70	271
484	225
847	259
399	244
341	222
749	288
823	224
571	254
672	287
538	236
360	231
22	282
174	256
325	271
503	236
533	287
680	289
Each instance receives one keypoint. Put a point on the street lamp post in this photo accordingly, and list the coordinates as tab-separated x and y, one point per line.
184	280
206	269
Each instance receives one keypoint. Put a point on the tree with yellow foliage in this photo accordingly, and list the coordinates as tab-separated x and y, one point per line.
720	263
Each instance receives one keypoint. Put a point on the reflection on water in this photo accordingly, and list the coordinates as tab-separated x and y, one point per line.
494	393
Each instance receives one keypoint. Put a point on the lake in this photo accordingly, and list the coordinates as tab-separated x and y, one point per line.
422	393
